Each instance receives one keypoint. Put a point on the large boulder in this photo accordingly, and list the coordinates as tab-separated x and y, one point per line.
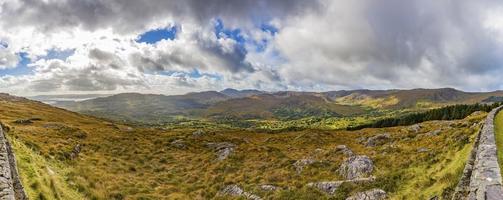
300	164
179	144
433	133
222	149
356	167
373	194
377	140
268	187
198	133
75	151
415	128
236	191
328	187
344	150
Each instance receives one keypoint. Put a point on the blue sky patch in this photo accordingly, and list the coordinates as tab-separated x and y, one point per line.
21	68
3	44
194	73
156	35
222	32
59	54
234	34
261	45
269	28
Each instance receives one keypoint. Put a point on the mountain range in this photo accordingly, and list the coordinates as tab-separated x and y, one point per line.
255	104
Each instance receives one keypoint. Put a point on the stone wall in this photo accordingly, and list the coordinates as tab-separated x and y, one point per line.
10	185
481	177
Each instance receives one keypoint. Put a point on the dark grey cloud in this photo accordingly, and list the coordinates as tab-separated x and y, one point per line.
394	43
130	15
106	59
322	43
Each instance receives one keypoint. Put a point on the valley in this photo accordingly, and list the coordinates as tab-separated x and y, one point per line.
67	155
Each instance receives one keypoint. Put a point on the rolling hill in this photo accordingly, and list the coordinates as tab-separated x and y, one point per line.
284	105
67	155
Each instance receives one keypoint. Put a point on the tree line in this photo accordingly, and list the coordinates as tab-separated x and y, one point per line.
445	113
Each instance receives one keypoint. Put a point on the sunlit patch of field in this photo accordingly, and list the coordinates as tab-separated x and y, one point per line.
498	131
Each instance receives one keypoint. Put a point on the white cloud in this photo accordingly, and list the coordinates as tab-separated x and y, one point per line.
320	45
8	59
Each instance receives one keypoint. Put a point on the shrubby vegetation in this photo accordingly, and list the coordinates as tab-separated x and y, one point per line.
445	113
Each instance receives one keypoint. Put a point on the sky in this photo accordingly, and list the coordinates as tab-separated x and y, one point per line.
180	46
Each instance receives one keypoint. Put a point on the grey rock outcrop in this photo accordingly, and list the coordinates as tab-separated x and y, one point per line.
330	187
356	167
299	165
267	187
415	128
433	133
236	191
179	144
422	150
377	140
344	150
75	151
373	194
198	133
222	149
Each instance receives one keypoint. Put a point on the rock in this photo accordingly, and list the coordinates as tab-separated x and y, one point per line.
328	186
268	187
23	121
300	164
361	139
377	140
433	133
422	150
356	167
222	149
179	144
373	194
494	192
415	128
236	191
319	151
75	152
198	133
344	150
80	134
476	113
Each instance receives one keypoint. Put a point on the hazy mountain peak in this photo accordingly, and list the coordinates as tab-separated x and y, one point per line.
233	93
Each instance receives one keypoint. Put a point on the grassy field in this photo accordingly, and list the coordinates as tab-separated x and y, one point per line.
498	131
120	161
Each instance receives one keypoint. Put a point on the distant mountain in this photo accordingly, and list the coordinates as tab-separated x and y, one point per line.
254	104
145	107
410	98
281	105
233	93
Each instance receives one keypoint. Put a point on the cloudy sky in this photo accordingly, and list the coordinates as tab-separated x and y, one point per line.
179	46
